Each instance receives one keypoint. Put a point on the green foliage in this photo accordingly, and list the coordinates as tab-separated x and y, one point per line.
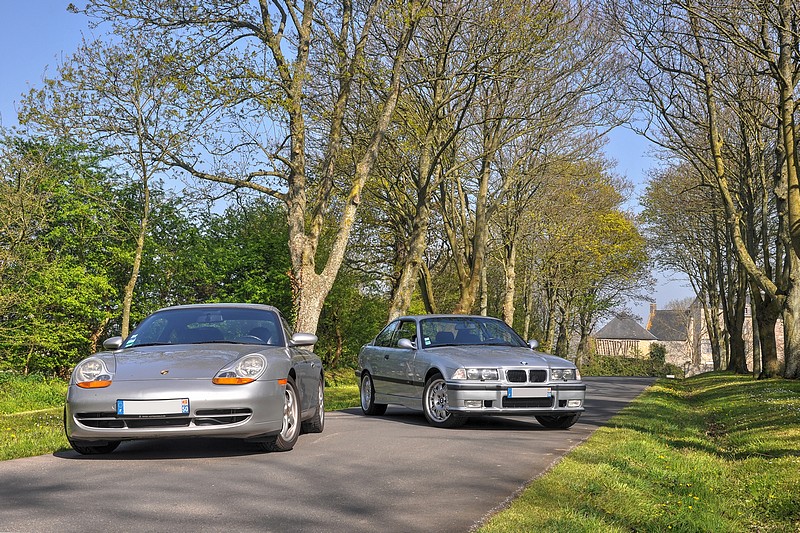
240	255
349	320
55	295
658	354
606	365
715	452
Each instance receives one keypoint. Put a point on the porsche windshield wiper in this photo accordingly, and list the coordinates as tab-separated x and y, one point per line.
146	344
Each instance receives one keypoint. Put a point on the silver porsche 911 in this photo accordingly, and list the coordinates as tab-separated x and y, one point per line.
212	370
455	366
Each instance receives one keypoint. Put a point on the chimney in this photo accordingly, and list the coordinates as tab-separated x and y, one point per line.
652	315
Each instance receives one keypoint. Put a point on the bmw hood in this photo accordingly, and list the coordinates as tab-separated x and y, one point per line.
177	361
500	356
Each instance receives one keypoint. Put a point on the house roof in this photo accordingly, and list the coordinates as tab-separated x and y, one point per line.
668	325
623	327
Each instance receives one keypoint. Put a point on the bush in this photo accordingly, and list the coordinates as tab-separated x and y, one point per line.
658	353
604	365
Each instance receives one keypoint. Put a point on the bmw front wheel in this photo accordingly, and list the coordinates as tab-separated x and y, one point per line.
435	404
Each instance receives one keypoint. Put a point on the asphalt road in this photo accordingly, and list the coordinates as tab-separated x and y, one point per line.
392	473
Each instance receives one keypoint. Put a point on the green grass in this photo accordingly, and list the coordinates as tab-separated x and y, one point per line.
31	415
30	393
716	452
341	389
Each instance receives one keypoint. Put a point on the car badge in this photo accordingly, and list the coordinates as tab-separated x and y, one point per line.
523	362
164	372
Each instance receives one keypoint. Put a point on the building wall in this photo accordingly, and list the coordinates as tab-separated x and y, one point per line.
624	347
679	353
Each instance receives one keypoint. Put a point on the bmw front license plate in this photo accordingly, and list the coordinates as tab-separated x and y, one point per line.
178	406
539	392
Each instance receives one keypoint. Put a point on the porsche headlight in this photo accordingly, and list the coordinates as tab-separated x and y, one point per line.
245	370
482	374
92	374
565	374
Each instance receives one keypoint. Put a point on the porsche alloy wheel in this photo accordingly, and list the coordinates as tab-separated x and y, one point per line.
290	430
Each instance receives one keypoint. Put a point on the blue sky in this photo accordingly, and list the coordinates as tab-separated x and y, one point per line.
36	34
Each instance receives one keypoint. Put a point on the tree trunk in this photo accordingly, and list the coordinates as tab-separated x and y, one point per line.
769	350
509	267
791	322
127	298
410	271
94	337
562	343
426	289
470	284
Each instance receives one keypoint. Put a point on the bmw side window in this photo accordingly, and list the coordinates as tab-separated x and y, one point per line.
407	330
384	338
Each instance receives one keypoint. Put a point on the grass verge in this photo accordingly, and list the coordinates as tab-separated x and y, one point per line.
716	452
31	415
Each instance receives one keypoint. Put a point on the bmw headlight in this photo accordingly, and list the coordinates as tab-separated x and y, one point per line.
565	374
92	374
245	370
482	374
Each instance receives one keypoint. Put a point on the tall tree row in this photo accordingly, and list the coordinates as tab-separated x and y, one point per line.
718	83
428	153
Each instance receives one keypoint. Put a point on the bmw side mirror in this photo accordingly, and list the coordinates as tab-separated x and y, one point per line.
407	344
533	343
112	343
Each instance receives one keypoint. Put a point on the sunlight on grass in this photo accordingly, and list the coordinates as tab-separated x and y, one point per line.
26	435
30	393
713	453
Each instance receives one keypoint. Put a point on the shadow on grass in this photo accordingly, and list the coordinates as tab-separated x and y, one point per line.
710	414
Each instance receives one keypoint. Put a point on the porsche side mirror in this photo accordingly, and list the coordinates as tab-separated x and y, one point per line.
112	343
303	339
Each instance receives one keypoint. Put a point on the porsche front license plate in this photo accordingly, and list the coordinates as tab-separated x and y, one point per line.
178	406
529	393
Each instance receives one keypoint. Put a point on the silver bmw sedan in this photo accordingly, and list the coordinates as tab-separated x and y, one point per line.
453	367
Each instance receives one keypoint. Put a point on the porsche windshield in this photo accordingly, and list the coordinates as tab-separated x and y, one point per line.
208	325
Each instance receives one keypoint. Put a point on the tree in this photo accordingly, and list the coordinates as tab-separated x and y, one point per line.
60	238
271	87
117	95
689	83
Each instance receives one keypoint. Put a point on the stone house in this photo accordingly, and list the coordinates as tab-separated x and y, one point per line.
682	332
624	337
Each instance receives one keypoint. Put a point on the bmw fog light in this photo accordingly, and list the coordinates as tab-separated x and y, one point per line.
573	403
473	404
